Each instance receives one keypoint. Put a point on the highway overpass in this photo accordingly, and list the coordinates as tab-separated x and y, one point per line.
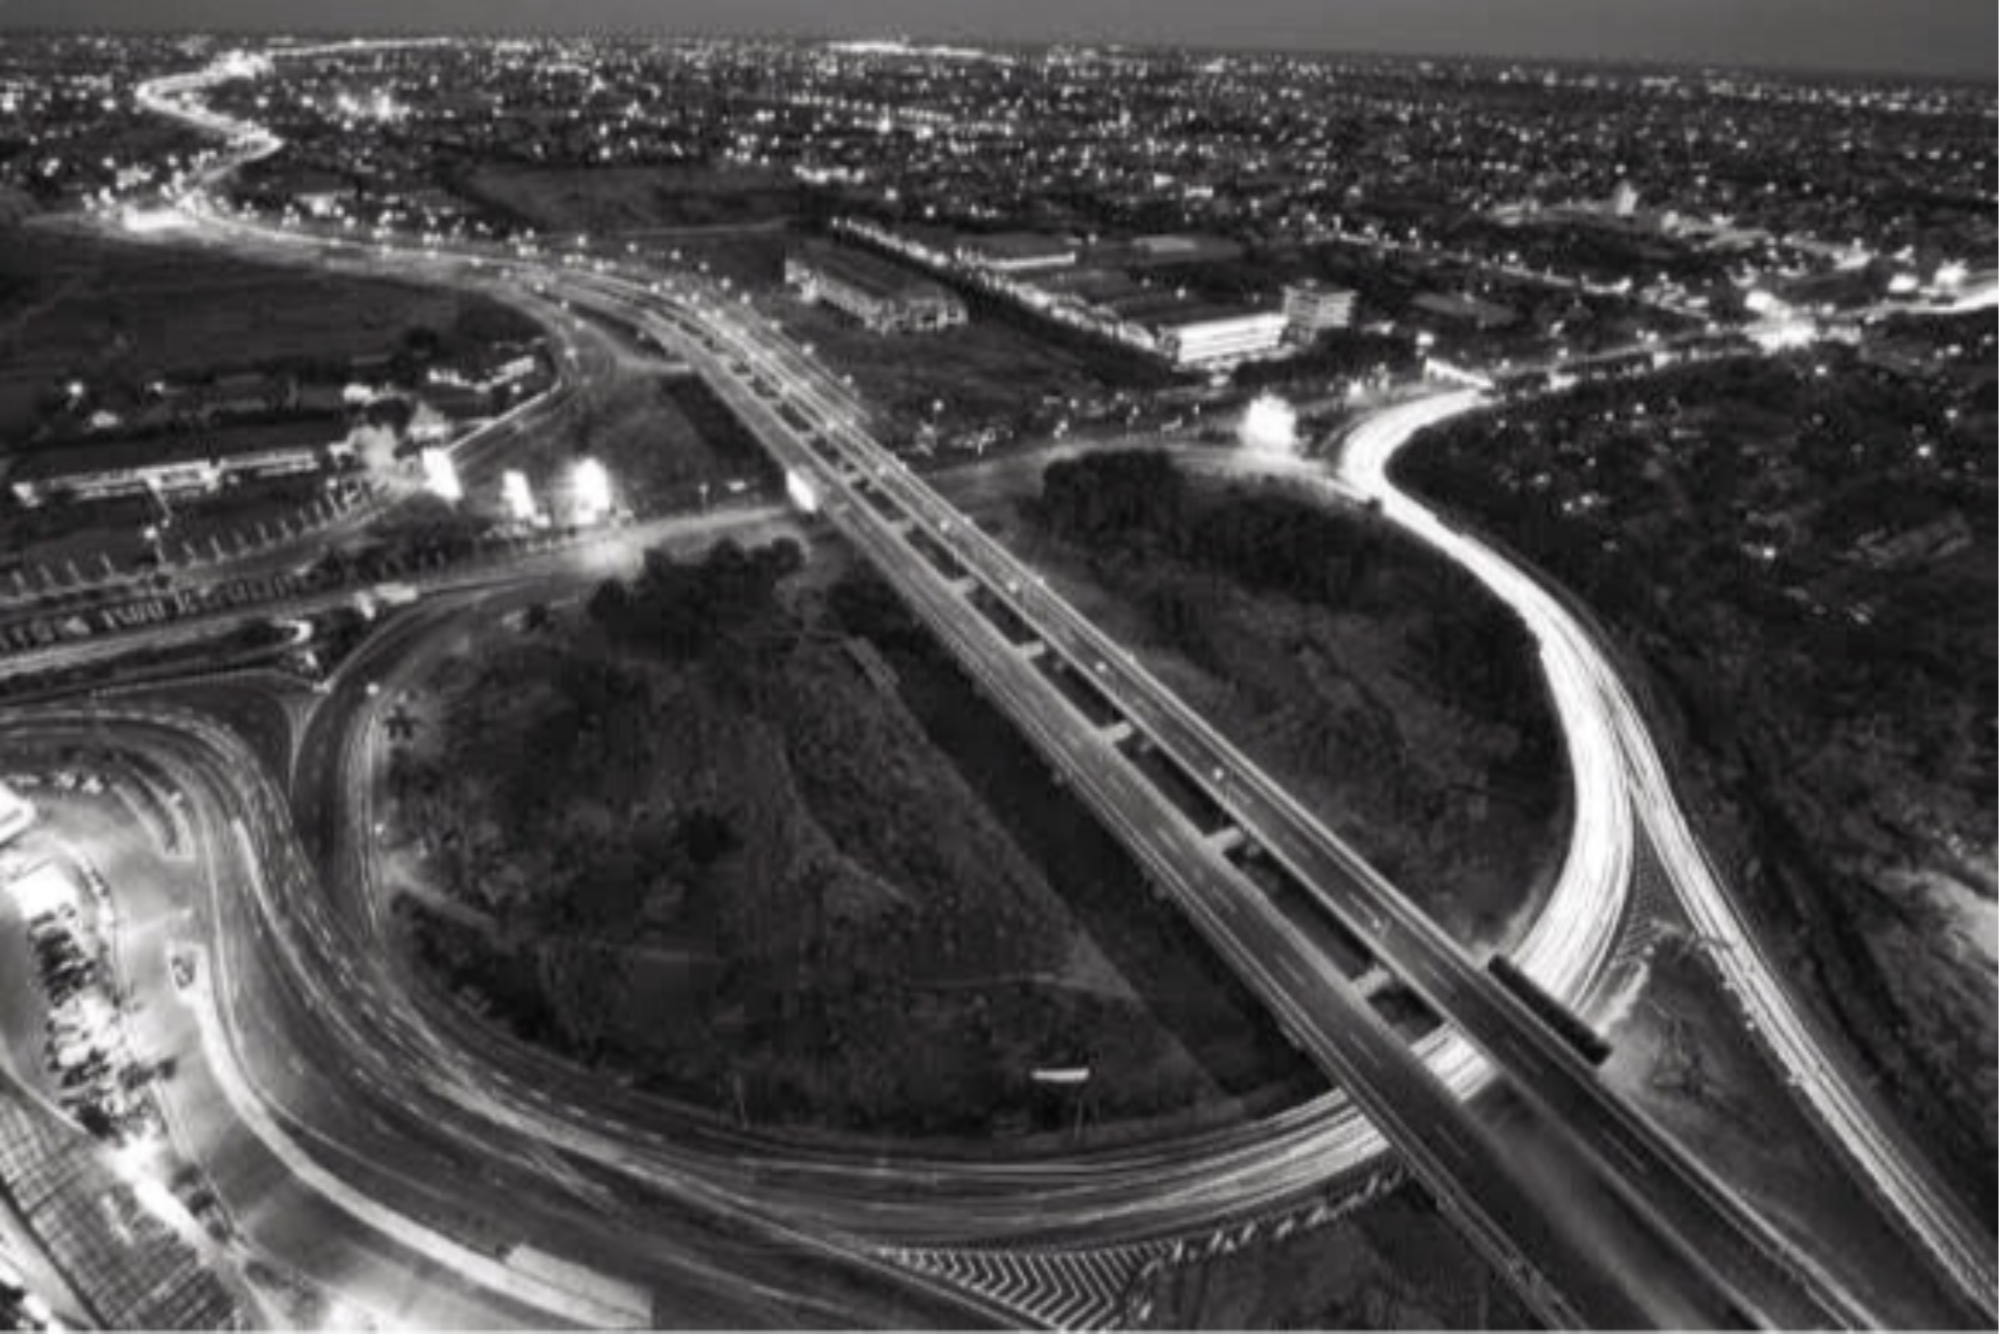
953	575
963	578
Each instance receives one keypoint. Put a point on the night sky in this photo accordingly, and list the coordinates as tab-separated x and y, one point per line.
1916	36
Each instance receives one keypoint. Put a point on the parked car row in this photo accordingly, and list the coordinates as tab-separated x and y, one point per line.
20	1307
62	780
83	1047
158	609
332	574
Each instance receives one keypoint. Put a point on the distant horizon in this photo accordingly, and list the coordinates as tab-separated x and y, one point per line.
1942	40
918	41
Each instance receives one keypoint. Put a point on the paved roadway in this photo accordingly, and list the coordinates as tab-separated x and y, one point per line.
592	556
1286	1154
425	1084
1522	1220
440	1172
1516	1227
1260	808
1607	739
1694	1212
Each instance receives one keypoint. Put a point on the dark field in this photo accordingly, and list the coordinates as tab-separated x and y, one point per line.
983	372
635	201
117	316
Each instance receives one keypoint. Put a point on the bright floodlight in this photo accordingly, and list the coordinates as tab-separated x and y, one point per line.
1270	426
1780	335
801	492
1760	302
147	221
17	815
45	889
593	491
519	498
440	474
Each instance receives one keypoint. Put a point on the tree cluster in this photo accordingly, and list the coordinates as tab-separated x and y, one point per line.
1335	355
1282	545
721	608
1120	497
1136	502
1129	500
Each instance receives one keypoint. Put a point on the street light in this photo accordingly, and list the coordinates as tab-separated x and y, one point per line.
592	487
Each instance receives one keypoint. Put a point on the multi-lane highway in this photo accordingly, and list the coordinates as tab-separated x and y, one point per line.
286	937
1747	1266
883	508
1322	1009
1607	741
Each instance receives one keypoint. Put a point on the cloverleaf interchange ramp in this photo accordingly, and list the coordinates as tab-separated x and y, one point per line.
1350	1145
897	521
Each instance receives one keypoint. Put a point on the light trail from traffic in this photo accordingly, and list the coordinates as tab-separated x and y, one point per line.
1769	1276
1556	954
1590	694
1566	947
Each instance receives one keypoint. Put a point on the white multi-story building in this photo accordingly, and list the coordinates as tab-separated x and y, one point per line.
1311	308
1213	340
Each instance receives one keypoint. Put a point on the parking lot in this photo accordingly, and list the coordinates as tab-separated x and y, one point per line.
70	1023
85	1063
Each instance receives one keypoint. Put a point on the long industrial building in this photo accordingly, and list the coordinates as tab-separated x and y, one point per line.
173	465
882	296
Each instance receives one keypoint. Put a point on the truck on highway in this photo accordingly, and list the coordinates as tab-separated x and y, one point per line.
589	1295
372	601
